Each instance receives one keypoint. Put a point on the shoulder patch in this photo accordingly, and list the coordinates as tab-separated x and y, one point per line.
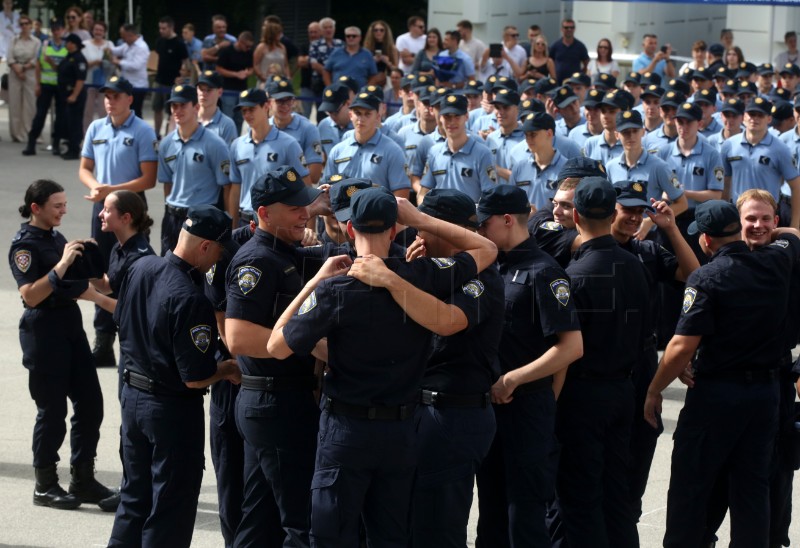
155	145
248	278
225	166
317	146
781	243
210	274
22	259
552	226
201	337
689	295
309	304
490	171
473	288
443	262
560	289
719	174
674	181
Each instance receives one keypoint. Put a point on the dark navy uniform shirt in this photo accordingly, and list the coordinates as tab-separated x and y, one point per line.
71	70
262	280
123	256
376	353
216	283
167	329
740	295
553	238
538	304
609	286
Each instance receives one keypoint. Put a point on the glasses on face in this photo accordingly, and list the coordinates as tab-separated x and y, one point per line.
378	30
348	36
568	27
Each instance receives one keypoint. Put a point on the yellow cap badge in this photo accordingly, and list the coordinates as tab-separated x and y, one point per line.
687	106
363	95
503	91
451	99
178	88
243	94
291	176
336	177
627	114
563	91
351	190
208	73
113	79
328	93
637	187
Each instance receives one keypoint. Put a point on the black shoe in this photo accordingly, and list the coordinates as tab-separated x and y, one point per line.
84	485
49	493
29	151
110	504
103	351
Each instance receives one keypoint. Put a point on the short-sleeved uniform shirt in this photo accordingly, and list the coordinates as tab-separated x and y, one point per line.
411	136
376	353
359	66
72	70
539	183
579	134
167	329
763	165
223	126
649	169
656	140
398	120
307	136
117	152
597	148
700	170
197	168
249	161
538	304
553	238
330	134
470	169
391	134
562	128
423	150
379	160
711	129
123	256
500	145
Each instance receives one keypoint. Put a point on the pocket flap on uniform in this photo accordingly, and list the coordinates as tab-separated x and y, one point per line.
324	477
261	411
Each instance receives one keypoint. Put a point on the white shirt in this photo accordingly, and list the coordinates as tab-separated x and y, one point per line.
9	28
474	48
517	54
133	61
490	69
408	42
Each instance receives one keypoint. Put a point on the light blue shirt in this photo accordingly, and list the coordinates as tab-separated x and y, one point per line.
359	66
423	149
330	134
563	130
118	152
540	184
580	134
469	170
649	169
223	126
307	136
597	148
657	140
500	145
711	129
644	60
700	170
197	168
411	135
764	165
379	160
398	120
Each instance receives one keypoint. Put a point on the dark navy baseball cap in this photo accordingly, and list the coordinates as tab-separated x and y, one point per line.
651	78
450	205
349	82
209	223
616	99
182	94
745	69
538	121
672	98
707	96
506	96
713	217
283	185
89	264
679	84
210	78
765	69
782	110
689	111
564	96
373	210
366	100
527	84
701	73
717	50
280	89
603	81
593	98
252	97
629	119
580	167
633	77
118	84
790	68
333	97
75	40
543	86
653	91
529	106
454	104
342	194
579	78
759	104
503	199
473	87
733	105
595	198
632	194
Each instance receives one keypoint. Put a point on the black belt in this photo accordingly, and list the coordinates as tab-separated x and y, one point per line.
146	384
750	375
246	216
378	413
181	212
534	386
280	384
463	401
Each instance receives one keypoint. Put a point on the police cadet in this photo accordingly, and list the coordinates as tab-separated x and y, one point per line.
367	451
782	117
461	162
651	112
377	92
654	141
706	99
369	153
595	407
540	339
336	101
732	112
282	101
71	78
636	164
537	175
210	116
791	138
413	134
663	268
276	412
408	100
730	415
55	350
265	148
168	337
606	146
508	133
120	152
193	166
758	159
568	108
593	126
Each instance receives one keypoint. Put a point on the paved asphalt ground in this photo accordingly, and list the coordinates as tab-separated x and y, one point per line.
26	525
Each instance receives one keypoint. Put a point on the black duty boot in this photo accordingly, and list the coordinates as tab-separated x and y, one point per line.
110	504
85	487
30	150
49	493
103	351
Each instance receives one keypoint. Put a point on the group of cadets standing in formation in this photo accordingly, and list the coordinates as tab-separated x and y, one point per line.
503	332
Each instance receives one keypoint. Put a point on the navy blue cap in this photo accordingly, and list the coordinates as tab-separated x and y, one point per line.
653	91
89	264
506	82
717	50
209	223
377	91
790	68
780	94
182	94
501	200
210	78
672	98
679	84
543	86
526	84
593	98
280	89
733	105
689	111
473	87
745	69
730	87
342	193
409	81
118	84
333	97
252	97
707	96
283	185
489	83
712	217
422	80
629	119
438	95
723	72
454	104
450	205
686	73
651	78
701	73
425	93
564	96
56	23
616	99
579	78
603	81
366	100
373	210
759	104
747	88
529	106
506	96
538	121
595	198
580	167
632	194
349	82
782	110
633	77
765	69
75	40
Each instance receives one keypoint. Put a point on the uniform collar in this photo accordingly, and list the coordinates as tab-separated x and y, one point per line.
36	231
766	141
127	123
602	242
514	133
642	160
696	149
269	240
196	136
466	149
519	254
293	124
136	241
271	135
373	141
731	248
